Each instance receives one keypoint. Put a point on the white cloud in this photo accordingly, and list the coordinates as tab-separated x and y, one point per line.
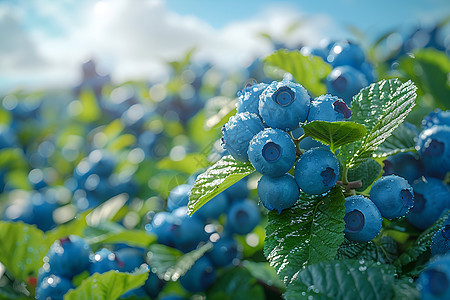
132	38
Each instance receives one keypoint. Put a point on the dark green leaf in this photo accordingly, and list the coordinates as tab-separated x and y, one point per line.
381	107
367	172
216	179
108	286
22	248
335	134
422	243
310	71
309	232
401	140
429	68
236	284
170	264
344	279
265	273
383	251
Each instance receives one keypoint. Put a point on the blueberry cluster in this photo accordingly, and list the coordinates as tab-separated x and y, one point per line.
262	132
426	171
70	256
351	71
175	228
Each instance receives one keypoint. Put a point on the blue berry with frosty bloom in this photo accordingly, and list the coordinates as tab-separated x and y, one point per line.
248	100
434	281
437	117
404	164
316	171
362	219
346	53
243	217
278	192
440	242
345	82
284	105
178	196
213	208
272	152
201	276
238	132
393	196
53	287
433	147
431	198
328	108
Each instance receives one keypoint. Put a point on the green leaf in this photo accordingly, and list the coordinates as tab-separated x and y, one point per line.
310	71
226	109
381	107
236	284
108	286
383	251
429	68
170	264
189	164
367	172
335	134
89	107
22	248
345	279
265	273
135	238
401	140
75	227
422	243
311	231
216	179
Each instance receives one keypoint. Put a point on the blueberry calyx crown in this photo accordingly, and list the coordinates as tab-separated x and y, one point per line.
329	176
354	221
407	197
419	202
342	108
64	240
271	151
284	96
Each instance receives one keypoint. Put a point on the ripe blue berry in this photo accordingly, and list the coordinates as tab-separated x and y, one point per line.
129	259
345	82
224	251
249	98
440	243
316	171
404	164
103	261
243	217
328	108
237	191
188	231
238	132
53	287
284	105
362	219
435	279
213	208
278	192
437	117
178	196
433	147
393	196
272	152
199	277
431	198
346	53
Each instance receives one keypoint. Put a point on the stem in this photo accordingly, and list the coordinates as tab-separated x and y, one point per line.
344	175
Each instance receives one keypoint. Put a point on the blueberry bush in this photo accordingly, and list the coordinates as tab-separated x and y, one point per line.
326	178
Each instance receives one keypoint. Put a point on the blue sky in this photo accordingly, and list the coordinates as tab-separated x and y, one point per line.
43	42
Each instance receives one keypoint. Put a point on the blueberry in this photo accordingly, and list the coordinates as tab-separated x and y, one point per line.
437	117
238	132
179	196
278	192
284	105
362	219
393	196
316	171
213	208
431	198
188	231
433	147
249	98
404	164
328	108
69	256
434	281
346	53
129	259
163	225
440	242
53	287
345	82
237	191
367	69
153	285
103	261
201	276
243	217
224	251
101	162
272	152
